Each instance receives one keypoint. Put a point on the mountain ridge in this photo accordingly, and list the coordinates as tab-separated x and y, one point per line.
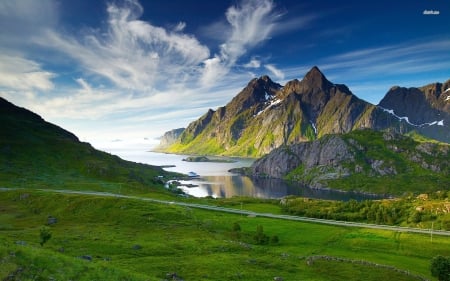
266	115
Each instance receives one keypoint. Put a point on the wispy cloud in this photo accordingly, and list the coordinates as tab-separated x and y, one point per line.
275	71
250	23
253	63
131	53
22	74
403	58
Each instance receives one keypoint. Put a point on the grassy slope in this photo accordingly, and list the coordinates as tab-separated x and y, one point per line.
196	244
35	153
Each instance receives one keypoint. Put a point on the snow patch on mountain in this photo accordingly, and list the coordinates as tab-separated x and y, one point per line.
406	119
272	103
314	127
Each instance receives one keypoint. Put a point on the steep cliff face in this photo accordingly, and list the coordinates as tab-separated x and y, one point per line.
265	115
168	139
329	151
357	156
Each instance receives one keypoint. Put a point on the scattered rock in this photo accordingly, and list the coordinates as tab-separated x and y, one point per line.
86	257
24	196
51	220
173	276
22	243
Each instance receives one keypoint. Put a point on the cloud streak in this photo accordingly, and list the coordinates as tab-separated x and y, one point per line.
22	74
251	22
275	71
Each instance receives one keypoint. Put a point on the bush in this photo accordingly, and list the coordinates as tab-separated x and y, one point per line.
440	268
45	235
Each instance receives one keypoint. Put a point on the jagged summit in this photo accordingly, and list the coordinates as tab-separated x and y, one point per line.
266	78
316	79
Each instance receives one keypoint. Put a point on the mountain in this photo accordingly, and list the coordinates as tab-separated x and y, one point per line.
426	108
364	160
35	153
168	139
266	115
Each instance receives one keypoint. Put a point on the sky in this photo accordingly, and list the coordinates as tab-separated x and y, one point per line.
120	73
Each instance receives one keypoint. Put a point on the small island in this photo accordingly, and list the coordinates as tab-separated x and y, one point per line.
206	159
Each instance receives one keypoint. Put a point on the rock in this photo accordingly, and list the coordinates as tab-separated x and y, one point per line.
382	169
137	247
51	220
24	196
22	243
173	276
277	278
328	151
86	257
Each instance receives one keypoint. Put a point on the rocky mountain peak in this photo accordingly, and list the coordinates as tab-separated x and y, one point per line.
266	78
316	79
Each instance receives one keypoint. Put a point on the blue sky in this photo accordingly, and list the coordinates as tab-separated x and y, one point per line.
119	73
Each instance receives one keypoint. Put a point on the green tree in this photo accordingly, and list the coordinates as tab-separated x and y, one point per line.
260	237
45	234
440	268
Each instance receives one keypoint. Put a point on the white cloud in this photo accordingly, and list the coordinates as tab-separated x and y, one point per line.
253	63
212	70
275	71
22	74
180	27
251	23
131	53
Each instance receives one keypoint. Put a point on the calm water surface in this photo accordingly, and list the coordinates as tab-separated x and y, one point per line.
216	181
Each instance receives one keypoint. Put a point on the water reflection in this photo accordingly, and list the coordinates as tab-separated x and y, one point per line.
235	185
215	181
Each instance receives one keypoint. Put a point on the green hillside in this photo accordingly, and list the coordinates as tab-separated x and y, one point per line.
108	238
35	153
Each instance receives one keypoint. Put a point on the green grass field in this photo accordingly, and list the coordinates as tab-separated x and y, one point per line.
135	240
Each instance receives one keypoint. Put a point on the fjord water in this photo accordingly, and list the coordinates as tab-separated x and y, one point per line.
216	181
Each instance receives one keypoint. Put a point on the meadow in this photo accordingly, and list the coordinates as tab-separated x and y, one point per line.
108	238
